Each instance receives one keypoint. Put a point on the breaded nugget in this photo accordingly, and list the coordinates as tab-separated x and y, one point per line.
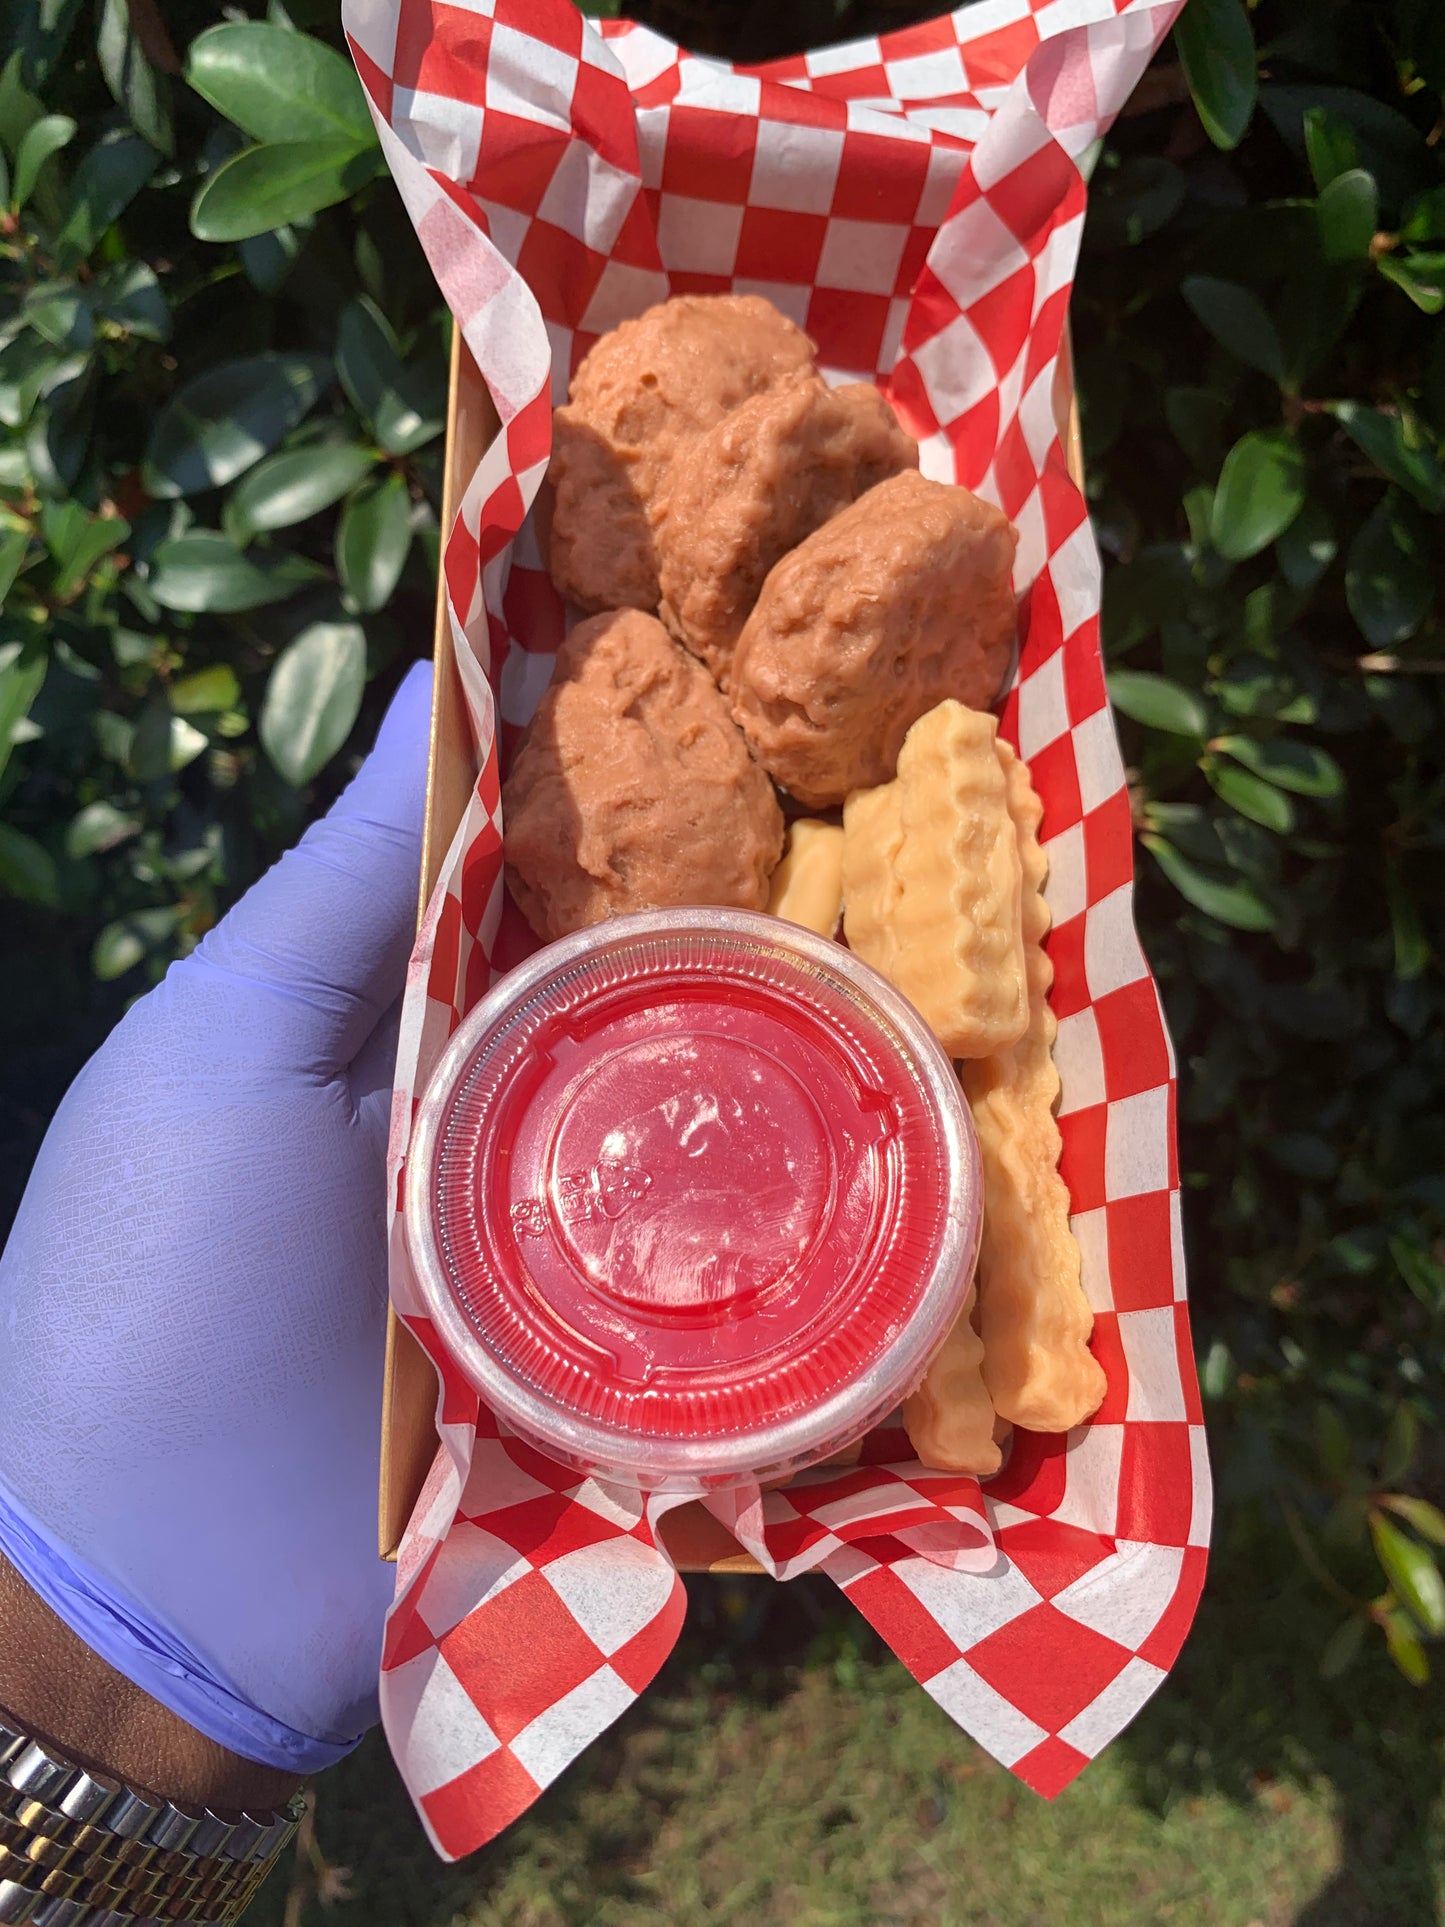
633	789
899	601
1033	1316
645	390
756	485
807	885
950	1419
932	882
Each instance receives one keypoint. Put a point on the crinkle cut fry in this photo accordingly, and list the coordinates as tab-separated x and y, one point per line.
1033	1316
950	1419
931	894
807	886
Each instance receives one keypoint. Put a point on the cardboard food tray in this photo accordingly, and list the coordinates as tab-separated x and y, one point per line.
694	1538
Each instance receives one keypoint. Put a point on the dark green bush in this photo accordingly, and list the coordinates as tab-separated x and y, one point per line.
220	396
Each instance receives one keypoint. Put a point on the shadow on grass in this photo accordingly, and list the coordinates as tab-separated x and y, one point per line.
1244	1718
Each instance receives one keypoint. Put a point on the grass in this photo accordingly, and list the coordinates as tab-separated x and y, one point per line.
784	1771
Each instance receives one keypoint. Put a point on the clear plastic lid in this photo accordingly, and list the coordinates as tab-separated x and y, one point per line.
693	1197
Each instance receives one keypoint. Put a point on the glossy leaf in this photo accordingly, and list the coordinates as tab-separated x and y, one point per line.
1238	320
205	692
20	683
293	485
133	82
313	698
129	296
1389	583
265	188
1424	217
1216	50
223	421
1307	547
1235	904
129	940
1330	146
77	542
1422	276
1401	1444
1157	702
1426	1519
27	869
98	827
1413	1575
373	538
1304	768
204	571
103	186
1397	448
1347	214
381	388
14	545
46	137
1261	490
277	85
1405	1649
1261	802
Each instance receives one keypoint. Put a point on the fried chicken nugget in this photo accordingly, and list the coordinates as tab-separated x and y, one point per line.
932	883
807	885
753	487
633	789
899	601
1033	1316
645	390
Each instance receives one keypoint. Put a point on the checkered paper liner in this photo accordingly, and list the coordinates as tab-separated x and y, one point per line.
915	203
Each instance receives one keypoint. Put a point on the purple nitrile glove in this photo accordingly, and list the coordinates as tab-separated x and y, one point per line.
193	1299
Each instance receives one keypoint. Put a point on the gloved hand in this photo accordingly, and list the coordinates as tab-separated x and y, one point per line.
193	1299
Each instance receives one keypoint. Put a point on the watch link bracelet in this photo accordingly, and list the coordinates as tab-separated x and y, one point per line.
79	1849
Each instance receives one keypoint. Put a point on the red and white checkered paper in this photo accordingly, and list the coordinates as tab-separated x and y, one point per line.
914	202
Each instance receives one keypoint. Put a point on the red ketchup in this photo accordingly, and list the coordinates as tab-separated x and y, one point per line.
693	1197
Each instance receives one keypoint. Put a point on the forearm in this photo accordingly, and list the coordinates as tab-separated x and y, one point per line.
54	1688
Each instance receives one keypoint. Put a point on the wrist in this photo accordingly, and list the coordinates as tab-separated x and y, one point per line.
56	1689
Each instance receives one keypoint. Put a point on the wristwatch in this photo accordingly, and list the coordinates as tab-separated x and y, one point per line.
79	1849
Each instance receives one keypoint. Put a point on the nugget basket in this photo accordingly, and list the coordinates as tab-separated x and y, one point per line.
915	203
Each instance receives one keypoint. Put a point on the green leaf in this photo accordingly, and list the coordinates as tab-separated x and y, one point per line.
1157	702
101	189
1413	1575
1422	276
1424	217
45	138
1405	1648
19	109
77	541
1412	945
1401	1442
1421	1272
20	683
297	483
129	296
1343	1645
1235	904
269	258
1196	418
1333	1442
373	538
1390	145
263	188
1261	490
161	743
206	692
124	943
203	571
1347	214
27	869
58	311
1428	1520
1304	768
1307	547
1330	146
1252	797
134	84
1237	319
13	546
277	85
99	826
1389	583
381	388
1397	448
223	421
1216	50
313	698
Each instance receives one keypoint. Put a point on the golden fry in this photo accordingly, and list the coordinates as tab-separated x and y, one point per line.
950	1419
932	883
1033	1316
807	886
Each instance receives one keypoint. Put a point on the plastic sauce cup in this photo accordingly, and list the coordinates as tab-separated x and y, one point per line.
693	1197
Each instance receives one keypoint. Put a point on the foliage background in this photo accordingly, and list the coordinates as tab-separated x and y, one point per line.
221	362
